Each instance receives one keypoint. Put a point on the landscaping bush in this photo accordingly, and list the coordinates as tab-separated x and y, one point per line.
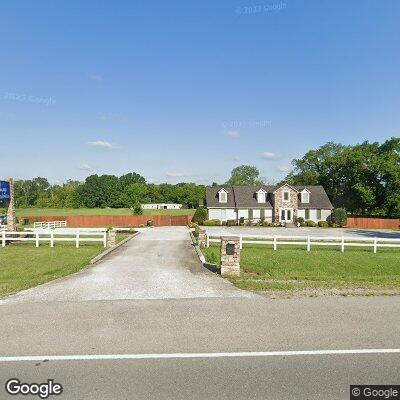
137	209
212	222
323	224
196	229
231	222
340	216
24	221
310	223
200	215
241	221
300	220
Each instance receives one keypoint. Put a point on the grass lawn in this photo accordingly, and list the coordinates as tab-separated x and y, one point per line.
23	265
294	269
38	212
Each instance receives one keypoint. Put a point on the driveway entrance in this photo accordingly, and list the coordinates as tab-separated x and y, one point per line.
159	263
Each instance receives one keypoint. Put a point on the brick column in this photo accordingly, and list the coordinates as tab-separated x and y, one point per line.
230	255
111	238
11	220
202	238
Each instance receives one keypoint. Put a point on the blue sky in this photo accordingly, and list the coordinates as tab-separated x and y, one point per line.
187	90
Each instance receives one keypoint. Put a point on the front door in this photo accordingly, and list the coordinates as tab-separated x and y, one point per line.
286	215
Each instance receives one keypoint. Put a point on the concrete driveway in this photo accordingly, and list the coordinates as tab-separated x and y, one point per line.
357	233
159	263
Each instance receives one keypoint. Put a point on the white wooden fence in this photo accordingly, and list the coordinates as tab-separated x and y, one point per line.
309	241
53	236
50	225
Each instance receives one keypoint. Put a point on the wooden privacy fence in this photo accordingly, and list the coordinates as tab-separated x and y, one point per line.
309	241
52	236
373	223
125	221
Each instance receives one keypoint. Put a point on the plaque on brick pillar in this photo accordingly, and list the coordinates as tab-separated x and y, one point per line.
230	255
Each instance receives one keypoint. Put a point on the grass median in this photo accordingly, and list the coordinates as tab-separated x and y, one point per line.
23	266
291	269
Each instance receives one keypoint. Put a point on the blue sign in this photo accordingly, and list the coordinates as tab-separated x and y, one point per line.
5	192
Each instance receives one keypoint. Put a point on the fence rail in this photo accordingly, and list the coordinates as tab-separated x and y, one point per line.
309	241
50	225
52	236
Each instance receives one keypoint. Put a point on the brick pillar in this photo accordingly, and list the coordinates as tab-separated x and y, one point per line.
202	238
11	219
230	255
111	238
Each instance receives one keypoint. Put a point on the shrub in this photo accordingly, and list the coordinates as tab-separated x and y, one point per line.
212	222
196	229
200	215
137	209
323	224
310	223
24	221
241	221
340	216
231	222
300	220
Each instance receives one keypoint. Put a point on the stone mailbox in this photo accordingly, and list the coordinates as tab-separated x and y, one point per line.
230	255
111	238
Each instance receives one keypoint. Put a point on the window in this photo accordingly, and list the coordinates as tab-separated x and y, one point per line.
223	197
286	195
319	214
307	214
305	197
261	197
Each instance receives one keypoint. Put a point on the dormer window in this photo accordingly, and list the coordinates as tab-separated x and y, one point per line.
286	195
305	196
261	195
223	196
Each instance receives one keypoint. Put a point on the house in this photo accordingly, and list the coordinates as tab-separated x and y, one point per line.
279	204
162	206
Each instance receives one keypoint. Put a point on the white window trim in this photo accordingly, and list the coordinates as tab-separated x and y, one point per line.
261	197
291	213
305	192
220	193
283	196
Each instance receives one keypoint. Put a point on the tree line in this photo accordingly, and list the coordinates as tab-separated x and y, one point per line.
126	191
363	178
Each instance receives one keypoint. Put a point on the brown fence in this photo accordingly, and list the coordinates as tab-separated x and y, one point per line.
128	221
372	223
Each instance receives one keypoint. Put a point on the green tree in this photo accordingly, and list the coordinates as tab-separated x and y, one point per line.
244	175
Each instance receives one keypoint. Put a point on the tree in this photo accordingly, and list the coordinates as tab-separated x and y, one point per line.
244	175
130	179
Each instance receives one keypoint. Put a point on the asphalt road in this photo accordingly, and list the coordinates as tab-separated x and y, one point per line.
41	327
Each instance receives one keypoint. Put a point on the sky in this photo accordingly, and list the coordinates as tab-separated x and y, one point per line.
188	90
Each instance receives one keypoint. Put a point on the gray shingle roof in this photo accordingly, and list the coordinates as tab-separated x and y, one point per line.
245	197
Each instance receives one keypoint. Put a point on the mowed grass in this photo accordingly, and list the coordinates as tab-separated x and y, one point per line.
23	266
63	212
291	269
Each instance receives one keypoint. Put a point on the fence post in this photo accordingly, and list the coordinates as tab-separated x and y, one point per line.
308	243
77	240
105	239
275	244
375	245
241	241
37	239
51	239
342	244
3	239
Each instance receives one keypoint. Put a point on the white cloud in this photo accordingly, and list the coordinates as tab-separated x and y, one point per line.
232	134
96	77
267	155
85	167
103	145
284	168
176	175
